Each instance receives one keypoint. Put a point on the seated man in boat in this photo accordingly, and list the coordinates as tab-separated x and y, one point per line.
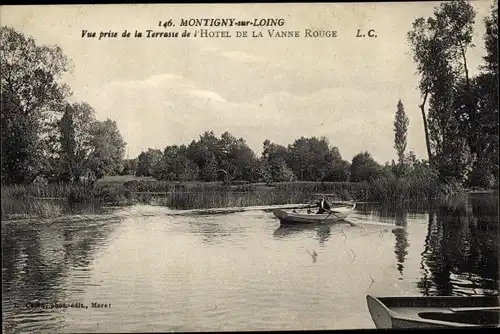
323	205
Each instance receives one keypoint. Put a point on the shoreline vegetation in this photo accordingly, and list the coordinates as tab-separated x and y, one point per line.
53	150
40	200
58	200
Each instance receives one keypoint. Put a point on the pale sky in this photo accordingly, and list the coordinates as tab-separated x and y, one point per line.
168	91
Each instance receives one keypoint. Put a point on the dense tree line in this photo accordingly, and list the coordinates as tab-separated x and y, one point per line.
228	158
43	136
459	111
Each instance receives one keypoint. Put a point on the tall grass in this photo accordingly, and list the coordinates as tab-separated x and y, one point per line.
217	199
51	191
214	195
48	200
32	199
410	187
335	190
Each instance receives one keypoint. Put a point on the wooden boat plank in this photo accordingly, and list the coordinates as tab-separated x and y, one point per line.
440	301
469	309
416	312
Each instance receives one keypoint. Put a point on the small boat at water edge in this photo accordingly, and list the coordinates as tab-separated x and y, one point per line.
434	312
337	214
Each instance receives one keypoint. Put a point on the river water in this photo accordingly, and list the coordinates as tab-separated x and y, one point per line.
160	270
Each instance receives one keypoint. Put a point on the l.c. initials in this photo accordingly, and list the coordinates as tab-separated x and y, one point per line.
371	33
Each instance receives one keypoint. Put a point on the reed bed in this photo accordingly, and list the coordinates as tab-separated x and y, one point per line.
337	190
46	201
49	191
33	199
217	195
168	186
207	200
390	188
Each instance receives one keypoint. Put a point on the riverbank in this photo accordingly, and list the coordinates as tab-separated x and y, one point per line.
122	191
37	199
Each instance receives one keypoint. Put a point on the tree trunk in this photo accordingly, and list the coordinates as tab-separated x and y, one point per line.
465	66
472	140
424	119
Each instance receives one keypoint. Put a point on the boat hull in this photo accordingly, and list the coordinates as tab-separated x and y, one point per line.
338	214
434	312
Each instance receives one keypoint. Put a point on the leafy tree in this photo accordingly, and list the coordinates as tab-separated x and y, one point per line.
480	124
364	168
147	162
491	40
337	169
274	152
226	156
205	153
277	172
142	165
400	132
68	150
108	149
245	161
310	158
19	142
235	157
273	163
488	84
31	92
210	168
339	172
129	167
175	166
76	140
439	45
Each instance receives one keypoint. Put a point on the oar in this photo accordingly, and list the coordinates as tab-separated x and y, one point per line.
343	219
327	216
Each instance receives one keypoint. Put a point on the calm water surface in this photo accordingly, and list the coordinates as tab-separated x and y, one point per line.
163	271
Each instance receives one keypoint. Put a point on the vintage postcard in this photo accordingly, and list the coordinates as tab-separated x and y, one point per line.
228	167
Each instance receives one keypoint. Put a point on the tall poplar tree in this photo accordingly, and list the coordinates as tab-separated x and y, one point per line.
400	132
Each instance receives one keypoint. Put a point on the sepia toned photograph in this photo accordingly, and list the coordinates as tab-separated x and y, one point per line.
249	167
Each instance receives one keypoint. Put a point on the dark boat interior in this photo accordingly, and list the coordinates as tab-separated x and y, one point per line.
480	317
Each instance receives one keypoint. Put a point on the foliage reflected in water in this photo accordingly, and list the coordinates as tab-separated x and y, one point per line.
461	250
37	259
401	235
460	257
323	231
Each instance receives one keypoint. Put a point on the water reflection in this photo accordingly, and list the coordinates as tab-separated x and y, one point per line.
485	209
323	231
401	235
323	234
461	254
461	248
389	213
288	231
396	215
216	229
64	261
37	261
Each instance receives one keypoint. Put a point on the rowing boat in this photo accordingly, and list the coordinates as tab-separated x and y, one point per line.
337	214
434	312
